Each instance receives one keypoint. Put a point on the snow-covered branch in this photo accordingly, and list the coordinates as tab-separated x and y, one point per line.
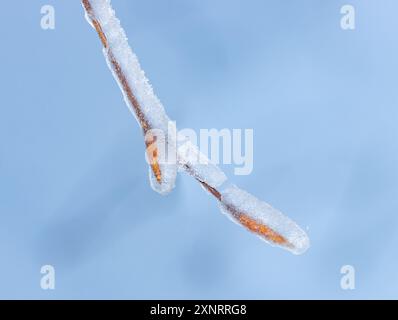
243	208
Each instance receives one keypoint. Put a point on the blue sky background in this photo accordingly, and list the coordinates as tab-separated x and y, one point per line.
322	101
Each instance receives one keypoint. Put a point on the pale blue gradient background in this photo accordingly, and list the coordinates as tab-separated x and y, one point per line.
73	179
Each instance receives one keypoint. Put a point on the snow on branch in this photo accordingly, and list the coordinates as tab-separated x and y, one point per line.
163	142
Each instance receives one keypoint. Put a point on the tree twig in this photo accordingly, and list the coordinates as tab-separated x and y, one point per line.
240	206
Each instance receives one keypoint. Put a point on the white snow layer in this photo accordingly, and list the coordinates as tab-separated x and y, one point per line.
197	164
